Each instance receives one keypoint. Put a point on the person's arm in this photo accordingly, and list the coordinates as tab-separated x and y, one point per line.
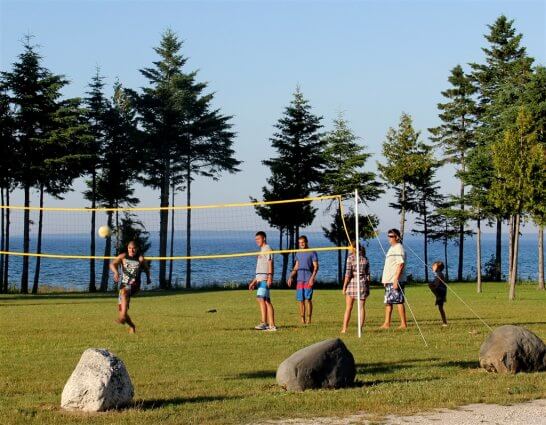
314	274
146	268
270	268
397	275
252	284
293	273
114	266
348	273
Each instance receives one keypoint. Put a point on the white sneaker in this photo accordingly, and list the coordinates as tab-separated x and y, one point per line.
261	327
271	329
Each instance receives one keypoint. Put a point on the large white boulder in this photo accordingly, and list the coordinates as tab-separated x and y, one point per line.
99	382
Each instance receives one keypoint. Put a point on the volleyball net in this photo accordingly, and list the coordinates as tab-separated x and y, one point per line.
188	232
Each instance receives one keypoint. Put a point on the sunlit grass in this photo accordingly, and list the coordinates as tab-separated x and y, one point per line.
190	366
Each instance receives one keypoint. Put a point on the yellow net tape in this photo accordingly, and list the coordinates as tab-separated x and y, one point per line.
176	208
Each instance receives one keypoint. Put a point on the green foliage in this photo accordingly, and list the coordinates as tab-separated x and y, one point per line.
131	229
345	161
297	170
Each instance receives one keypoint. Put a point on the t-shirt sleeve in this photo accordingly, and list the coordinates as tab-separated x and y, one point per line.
349	267
314	257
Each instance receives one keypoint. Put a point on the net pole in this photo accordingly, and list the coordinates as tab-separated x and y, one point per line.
357	247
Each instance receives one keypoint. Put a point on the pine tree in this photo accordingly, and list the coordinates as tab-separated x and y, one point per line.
97	106
404	159
506	66
295	172
344	172
456	136
182	132
31	88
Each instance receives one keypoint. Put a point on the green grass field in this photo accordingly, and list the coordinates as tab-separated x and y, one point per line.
190	366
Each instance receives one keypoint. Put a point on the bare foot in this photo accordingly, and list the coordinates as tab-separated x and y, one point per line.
119	321
444	325
402	327
132	330
343	331
384	326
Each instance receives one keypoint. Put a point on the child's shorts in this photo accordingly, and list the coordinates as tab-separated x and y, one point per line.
394	296
441	295
263	291
303	292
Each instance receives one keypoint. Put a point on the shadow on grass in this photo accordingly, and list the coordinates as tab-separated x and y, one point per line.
374	382
462	364
386	367
259	374
177	401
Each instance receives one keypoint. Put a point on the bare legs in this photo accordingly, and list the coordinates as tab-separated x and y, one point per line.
388	315
443	314
306	306
349	301
123	316
267	311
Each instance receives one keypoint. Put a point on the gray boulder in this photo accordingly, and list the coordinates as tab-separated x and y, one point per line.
326	364
513	349
99	382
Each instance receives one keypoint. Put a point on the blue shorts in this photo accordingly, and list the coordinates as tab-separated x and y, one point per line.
263	291
303	292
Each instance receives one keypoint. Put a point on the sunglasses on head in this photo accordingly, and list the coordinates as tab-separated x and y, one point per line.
391	236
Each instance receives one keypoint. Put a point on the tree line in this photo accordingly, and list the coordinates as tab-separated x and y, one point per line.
491	129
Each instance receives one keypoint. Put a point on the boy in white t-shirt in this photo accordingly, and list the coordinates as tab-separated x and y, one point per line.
263	281
394	278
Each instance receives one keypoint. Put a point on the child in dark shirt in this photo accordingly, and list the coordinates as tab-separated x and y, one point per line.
439	289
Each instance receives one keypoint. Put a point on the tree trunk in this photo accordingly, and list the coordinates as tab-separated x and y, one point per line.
26	241
479	257
461	238
107	252
163	225
425	237
188	227
513	279
6	245
92	278
2	240
541	258
498	251
39	243
403	211
510	247
445	259
172	239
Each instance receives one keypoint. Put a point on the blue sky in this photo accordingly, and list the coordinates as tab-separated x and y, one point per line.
369	59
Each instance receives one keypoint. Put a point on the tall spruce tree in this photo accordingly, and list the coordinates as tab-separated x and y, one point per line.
344	160
96	110
506	65
456	137
31	87
8	163
404	159
182	131
295	172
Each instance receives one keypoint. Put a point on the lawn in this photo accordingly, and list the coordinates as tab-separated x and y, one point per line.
190	366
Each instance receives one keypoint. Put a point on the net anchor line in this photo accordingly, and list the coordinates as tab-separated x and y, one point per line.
399	286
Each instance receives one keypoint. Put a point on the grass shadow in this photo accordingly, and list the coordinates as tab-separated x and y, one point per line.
158	403
360	384
259	374
386	367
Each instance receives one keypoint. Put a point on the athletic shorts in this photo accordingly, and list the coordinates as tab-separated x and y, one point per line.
394	296
263	291
128	291
303	292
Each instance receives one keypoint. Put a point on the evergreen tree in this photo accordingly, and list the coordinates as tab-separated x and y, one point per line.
506	66
344	172
182	132
63	152
97	107
404	157
295	172
120	162
456	136
424	196
8	162
32	90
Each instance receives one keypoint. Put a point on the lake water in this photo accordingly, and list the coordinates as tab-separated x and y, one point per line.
74	274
